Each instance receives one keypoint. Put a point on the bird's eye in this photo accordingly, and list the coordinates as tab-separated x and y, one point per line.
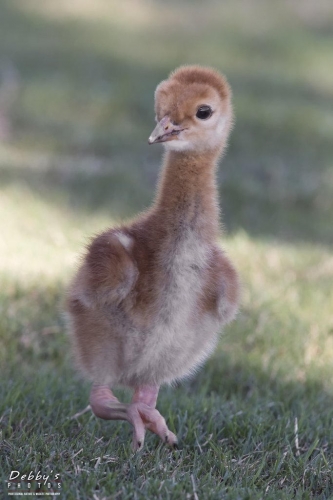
204	112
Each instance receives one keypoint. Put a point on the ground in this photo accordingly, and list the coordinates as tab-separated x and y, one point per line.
256	421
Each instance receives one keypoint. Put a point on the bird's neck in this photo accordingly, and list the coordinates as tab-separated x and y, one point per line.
187	195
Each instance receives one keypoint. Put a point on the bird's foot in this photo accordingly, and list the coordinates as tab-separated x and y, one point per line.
141	413
144	417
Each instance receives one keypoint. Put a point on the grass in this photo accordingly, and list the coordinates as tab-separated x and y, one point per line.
256	421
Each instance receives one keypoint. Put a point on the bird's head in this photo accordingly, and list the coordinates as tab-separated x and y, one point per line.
193	110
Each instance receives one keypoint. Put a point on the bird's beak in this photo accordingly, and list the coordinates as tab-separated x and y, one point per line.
164	131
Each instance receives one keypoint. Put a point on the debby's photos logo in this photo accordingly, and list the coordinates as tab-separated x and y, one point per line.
33	484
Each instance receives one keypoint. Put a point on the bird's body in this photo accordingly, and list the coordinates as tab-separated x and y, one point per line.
150	297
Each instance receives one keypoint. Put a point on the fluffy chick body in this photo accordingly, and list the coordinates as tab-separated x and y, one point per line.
150	297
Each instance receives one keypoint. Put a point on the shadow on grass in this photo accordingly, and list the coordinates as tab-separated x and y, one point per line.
236	421
121	191
35	359
235	424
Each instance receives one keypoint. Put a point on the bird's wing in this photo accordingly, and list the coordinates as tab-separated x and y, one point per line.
111	269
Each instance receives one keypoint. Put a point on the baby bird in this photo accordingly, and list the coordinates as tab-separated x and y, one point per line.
151	296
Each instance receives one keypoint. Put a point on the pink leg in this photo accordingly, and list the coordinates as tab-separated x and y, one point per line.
141	413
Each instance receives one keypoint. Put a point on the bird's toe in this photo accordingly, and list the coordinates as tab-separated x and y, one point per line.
156	423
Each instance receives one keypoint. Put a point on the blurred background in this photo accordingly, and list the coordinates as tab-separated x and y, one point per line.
76	104
76	108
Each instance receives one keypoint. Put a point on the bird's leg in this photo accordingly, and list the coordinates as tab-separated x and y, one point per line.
141	413
144	399
105	405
